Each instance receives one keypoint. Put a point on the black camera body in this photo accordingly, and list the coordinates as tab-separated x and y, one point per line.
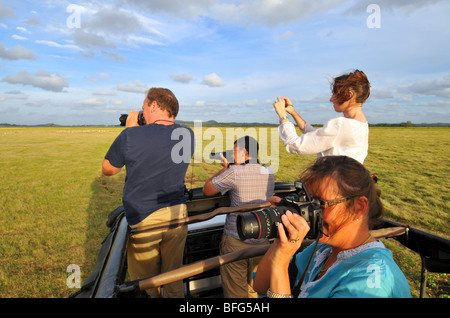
264	223
141	119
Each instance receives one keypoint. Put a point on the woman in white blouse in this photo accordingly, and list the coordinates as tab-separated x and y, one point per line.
348	135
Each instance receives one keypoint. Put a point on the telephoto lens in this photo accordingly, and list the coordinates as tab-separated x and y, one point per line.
264	223
261	224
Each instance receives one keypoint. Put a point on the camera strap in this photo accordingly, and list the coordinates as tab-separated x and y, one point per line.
296	289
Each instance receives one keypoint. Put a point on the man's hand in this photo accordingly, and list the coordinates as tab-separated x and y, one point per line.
132	119
224	162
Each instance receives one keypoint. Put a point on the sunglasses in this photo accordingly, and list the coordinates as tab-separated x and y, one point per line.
325	204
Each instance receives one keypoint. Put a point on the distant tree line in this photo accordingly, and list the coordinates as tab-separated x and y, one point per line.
410	124
213	123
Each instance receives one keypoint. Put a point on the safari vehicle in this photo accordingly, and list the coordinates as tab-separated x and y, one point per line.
200	272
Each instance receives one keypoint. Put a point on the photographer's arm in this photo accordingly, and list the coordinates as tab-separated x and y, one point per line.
261	282
301	123
272	272
108	169
209	188
273	269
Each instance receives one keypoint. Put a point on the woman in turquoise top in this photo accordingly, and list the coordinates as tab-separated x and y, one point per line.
348	261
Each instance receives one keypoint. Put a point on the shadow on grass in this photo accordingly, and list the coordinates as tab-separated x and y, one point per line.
106	196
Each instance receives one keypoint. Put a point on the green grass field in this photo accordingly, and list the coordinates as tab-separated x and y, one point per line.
54	200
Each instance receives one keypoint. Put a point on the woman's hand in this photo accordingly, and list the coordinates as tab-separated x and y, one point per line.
291	234
273	269
280	107
289	106
283	106
288	109
296	228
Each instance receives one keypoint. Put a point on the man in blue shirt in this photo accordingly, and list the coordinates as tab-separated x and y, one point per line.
156	156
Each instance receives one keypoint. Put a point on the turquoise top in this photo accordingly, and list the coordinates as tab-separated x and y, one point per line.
366	271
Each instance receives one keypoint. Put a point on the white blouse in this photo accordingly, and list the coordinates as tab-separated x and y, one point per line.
338	137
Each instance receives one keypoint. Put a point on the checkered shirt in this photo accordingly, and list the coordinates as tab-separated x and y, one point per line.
246	184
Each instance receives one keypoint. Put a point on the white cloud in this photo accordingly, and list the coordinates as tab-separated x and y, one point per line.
136	87
54	44
85	39
33	21
182	8
37	103
22	29
16	53
438	87
114	56
14	92
379	93
286	35
141	39
91	102
96	78
213	80
19	37
110	20
14	95
108	26
6	12
404	5
116	102
104	93
182	78
41	79
269	12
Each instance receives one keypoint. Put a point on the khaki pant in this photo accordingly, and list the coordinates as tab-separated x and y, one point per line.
154	252
236	277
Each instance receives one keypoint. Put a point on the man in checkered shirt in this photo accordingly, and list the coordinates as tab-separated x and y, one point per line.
247	182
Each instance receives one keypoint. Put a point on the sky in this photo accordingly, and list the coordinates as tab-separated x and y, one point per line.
88	62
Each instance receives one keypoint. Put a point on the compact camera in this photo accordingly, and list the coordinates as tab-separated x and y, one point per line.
264	223
141	119
227	154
